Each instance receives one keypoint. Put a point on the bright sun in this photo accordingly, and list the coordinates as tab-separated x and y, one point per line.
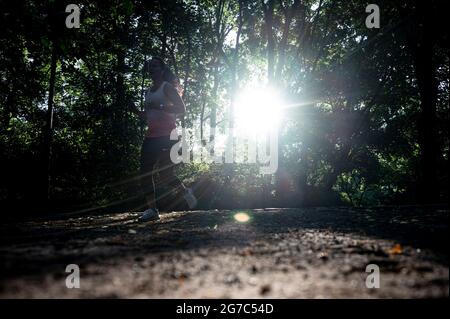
257	110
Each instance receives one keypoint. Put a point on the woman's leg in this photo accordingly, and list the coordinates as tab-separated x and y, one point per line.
149	157
176	187
167	177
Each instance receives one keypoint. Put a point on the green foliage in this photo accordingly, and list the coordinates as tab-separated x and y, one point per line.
354	132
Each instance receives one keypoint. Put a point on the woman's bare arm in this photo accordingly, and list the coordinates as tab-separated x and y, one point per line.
178	106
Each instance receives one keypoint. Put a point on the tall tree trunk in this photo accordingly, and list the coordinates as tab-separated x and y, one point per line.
213	114
121	105
187	72
422	52
268	10
289	13
219	38
268	16
48	134
122	109
234	67
281	175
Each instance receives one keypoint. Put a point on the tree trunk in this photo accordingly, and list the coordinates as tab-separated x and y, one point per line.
422	51
268	15
289	14
48	134
234	67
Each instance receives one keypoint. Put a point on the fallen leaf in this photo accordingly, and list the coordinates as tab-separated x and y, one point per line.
396	250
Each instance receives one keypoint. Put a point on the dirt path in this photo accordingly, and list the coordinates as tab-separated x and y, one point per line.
277	253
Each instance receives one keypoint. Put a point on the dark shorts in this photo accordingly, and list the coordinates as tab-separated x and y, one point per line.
156	149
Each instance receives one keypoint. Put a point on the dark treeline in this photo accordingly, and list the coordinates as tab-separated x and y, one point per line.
370	125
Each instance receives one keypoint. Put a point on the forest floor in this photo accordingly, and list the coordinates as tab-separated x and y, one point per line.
277	253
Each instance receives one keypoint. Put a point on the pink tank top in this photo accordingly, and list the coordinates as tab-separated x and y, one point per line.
159	123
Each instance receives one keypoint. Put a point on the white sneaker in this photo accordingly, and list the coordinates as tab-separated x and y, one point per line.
190	198
149	214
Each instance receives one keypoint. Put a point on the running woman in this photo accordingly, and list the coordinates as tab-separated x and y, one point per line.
162	104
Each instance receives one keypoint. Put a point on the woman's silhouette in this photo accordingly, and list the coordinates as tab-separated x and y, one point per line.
162	103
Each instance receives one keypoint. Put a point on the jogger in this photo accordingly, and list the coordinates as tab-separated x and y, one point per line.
162	103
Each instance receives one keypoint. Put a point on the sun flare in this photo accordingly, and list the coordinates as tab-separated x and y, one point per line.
257	110
241	217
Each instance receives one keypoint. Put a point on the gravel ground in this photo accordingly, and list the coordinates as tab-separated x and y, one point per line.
276	253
